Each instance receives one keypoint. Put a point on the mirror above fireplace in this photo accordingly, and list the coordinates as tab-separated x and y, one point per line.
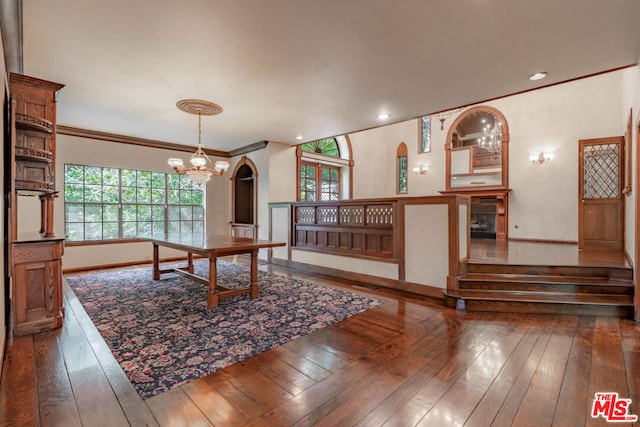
477	154
476	149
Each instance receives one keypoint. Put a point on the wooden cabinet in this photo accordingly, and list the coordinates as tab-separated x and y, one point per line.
35	115
37	285
36	262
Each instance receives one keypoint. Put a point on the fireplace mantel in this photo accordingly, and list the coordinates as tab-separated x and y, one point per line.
501	197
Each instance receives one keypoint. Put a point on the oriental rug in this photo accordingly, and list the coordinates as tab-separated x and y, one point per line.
163	335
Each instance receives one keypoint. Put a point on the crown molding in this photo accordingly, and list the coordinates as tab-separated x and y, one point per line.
248	148
142	142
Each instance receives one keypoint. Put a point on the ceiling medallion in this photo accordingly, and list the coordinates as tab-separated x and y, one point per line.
199	106
202	168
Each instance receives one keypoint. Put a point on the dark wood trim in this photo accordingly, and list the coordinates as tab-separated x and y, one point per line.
505	145
636	270
627	153
298	167
358	278
522	239
351	163
256	146
123	139
151	143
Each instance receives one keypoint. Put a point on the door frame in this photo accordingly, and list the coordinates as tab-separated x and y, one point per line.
621	177
636	270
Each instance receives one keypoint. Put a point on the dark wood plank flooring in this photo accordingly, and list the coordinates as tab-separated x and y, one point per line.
540	253
408	362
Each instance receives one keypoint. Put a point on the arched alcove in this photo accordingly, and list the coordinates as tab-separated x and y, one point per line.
244	219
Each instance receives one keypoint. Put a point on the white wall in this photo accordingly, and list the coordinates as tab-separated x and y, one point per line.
374	154
427	251
544	201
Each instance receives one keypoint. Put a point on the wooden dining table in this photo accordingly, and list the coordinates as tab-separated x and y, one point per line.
211	247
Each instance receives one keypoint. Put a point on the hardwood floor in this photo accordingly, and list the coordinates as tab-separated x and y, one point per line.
539	253
408	362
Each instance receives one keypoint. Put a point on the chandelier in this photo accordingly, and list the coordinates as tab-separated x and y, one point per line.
492	138
202	168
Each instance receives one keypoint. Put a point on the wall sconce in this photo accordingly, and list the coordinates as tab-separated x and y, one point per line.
540	158
421	170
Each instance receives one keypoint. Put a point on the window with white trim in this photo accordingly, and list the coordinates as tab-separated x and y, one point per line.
111	204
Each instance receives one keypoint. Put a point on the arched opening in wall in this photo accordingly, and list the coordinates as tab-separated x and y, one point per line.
244	193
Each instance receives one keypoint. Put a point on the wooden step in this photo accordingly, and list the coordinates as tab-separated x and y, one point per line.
545	283
614	273
541	302
521	288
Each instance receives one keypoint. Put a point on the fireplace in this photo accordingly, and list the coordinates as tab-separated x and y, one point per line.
491	209
483	219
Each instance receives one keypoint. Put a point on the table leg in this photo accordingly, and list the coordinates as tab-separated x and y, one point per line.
254	274
156	262
212	298
190	262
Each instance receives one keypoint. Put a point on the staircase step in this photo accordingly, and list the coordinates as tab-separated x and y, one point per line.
545	283
553	297
542	302
616	273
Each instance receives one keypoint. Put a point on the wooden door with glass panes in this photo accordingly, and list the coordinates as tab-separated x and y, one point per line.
601	205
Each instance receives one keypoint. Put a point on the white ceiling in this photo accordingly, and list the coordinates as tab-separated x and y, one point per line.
316	68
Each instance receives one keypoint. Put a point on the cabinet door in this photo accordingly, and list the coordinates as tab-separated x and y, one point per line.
37	288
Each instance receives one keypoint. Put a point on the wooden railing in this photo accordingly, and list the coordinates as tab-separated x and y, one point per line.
359	228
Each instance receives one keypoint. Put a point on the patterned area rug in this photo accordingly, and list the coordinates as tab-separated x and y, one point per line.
163	335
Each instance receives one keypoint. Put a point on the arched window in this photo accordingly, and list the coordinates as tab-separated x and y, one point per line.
401	167
324	169
327	147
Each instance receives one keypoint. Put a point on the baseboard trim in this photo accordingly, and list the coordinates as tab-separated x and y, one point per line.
563	242
628	257
358	278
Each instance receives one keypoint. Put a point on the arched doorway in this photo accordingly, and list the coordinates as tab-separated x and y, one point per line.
244	221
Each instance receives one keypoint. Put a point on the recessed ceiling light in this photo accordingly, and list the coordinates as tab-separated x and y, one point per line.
538	76
299	137
383	116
